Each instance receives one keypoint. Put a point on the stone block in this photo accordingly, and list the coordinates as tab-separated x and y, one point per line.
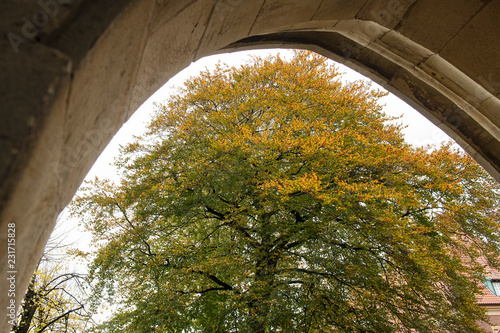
404	48
231	20
387	13
474	51
454	80
278	15
338	10
490	108
170	47
437	30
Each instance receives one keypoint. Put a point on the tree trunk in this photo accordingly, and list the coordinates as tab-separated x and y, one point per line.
30	305
259	306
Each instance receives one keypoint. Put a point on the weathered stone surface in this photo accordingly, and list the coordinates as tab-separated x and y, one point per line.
167	50
69	81
35	200
475	48
438	31
458	82
491	109
275	15
387	13
338	10
404	48
31	90
221	30
83	26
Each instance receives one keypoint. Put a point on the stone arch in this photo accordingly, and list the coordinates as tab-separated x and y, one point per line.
73	79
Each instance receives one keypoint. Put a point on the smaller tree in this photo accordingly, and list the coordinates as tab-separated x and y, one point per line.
54	300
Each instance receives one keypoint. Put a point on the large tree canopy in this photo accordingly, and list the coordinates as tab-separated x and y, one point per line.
274	198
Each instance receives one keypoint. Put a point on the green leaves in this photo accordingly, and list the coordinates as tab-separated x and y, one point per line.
272	197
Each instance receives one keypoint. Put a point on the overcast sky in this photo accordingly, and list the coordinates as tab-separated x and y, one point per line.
419	131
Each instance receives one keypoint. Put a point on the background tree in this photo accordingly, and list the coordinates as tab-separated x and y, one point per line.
271	197
54	300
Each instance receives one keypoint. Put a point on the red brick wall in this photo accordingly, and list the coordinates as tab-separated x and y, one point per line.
494	320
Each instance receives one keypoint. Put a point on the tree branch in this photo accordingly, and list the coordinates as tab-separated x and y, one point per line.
219	216
58	317
223	285
148	247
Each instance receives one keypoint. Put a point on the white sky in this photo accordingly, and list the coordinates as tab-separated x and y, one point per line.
419	131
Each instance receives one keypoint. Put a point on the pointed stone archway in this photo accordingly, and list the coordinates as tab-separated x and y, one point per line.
75	70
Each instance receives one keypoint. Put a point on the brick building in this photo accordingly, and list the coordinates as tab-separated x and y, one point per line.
490	299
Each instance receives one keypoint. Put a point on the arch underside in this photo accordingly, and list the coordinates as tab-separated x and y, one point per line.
66	92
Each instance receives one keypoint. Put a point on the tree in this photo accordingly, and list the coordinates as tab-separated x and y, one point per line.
54	300
273	198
